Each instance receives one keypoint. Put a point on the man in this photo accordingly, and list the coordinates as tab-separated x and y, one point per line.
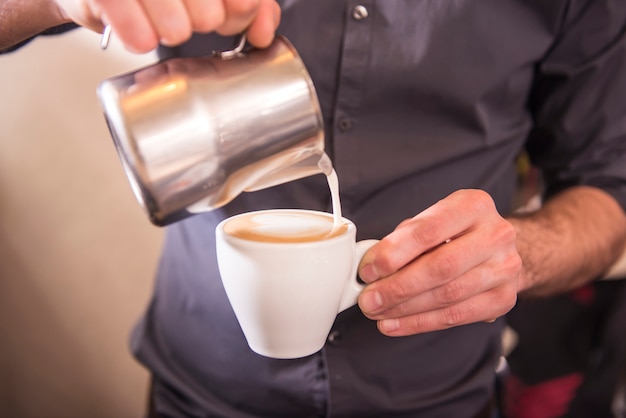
426	105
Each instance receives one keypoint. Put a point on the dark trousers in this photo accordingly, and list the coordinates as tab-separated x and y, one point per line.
487	412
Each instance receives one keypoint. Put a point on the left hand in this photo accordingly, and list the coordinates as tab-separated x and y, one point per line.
453	264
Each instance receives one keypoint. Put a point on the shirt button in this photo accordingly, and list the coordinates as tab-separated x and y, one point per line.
333	337
344	124
359	13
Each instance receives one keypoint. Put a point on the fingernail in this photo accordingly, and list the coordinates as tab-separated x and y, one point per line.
369	273
389	325
371	301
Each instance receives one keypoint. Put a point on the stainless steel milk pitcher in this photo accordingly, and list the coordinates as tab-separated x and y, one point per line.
193	133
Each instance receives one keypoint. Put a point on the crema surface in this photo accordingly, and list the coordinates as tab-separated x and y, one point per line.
284	226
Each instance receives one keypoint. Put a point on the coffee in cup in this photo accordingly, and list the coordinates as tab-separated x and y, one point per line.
284	226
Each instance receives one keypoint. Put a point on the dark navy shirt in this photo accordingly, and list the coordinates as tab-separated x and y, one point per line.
420	98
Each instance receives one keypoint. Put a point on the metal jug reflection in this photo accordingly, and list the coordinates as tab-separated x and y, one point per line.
193	133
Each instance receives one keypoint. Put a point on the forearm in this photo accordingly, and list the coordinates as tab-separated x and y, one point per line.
21	19
572	239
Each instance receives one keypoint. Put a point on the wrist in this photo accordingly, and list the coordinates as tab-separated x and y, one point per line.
53	14
523	224
21	20
572	239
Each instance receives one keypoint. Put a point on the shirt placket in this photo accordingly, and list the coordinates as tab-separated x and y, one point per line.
351	92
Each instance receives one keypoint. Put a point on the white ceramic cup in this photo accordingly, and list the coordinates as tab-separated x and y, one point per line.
287	274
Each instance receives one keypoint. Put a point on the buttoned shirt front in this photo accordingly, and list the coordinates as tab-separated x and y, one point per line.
420	98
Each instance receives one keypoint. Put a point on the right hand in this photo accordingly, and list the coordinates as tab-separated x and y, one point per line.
142	24
454	263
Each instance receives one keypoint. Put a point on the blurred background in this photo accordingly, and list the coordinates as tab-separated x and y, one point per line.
77	253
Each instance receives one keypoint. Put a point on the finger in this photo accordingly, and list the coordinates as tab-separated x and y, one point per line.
239	14
205	15
170	20
410	240
86	15
262	29
131	24
483	307
430	271
448	218
483	278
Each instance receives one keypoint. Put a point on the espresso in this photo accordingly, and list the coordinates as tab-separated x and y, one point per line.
284	226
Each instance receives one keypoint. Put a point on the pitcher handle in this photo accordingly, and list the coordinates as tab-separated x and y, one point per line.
236	51
228	54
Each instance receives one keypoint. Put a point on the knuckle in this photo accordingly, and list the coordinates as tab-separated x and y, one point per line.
509	264
416	323
425	233
387	257
384	264
444	265
513	264
397	291
449	293
483	200
506	232
477	200
402	309
452	315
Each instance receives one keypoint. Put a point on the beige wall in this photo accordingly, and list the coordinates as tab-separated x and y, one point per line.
77	254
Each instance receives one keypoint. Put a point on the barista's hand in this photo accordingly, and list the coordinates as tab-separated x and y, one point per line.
142	24
455	263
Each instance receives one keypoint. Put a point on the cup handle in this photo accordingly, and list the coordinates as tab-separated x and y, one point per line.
354	287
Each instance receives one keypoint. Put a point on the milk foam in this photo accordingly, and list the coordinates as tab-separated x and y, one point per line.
284	226
272	224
